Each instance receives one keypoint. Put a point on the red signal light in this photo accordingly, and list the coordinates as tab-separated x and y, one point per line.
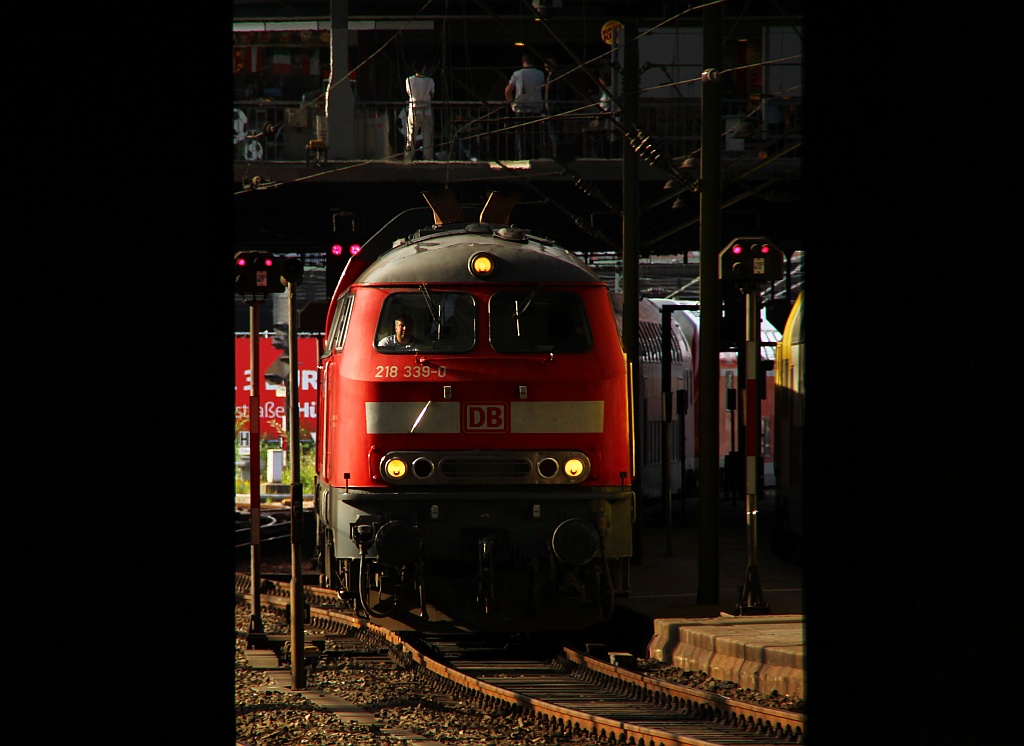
337	249
753	259
256	272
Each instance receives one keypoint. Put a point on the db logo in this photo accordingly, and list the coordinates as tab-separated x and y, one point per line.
489	417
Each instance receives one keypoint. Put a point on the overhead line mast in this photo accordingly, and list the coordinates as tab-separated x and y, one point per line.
710	303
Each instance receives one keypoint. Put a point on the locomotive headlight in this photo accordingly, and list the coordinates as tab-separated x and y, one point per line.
395	468
481	264
573	468
547	467
422	468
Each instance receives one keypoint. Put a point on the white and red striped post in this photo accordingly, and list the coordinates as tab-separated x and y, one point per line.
751	596
749	262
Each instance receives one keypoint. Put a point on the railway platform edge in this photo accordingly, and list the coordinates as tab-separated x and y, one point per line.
758	652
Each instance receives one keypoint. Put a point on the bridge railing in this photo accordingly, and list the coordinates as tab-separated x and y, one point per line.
465	130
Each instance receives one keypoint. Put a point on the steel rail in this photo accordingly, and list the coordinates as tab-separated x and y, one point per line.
751	723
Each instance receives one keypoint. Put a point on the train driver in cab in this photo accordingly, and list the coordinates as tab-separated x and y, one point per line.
403	337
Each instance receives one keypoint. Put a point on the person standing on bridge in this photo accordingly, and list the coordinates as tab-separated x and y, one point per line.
525	94
420	121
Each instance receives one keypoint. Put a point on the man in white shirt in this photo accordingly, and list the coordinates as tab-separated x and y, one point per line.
420	121
525	93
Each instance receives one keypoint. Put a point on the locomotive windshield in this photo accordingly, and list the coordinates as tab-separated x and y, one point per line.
426	320
521	321
539	320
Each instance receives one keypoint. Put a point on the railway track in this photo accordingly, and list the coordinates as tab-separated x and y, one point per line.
273	527
570	693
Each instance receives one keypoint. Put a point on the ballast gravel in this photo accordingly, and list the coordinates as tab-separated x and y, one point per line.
401	701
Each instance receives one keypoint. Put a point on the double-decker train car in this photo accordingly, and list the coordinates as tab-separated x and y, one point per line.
729	382
473	447
789	432
667	434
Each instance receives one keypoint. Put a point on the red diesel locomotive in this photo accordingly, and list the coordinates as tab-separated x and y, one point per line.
474	470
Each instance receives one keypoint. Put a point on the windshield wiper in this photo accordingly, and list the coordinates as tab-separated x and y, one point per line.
430	302
436	316
520	311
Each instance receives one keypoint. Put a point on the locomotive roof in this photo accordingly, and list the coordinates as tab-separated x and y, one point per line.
442	254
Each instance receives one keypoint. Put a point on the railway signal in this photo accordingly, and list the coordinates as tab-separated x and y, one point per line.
245	283
337	256
750	260
255	273
261	273
258	273
343	246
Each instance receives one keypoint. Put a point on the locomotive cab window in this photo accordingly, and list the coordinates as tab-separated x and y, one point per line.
539	320
426	320
339	325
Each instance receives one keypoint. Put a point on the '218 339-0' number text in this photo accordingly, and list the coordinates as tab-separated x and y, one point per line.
409	371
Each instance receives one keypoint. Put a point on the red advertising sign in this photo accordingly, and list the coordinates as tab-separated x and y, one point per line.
273	403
